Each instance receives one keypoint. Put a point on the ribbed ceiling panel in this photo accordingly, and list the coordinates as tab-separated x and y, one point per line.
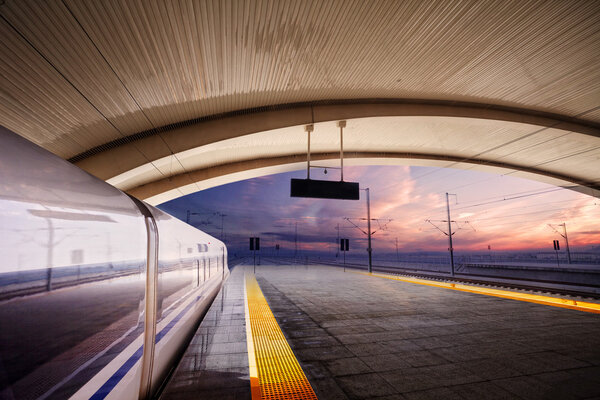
148	63
37	102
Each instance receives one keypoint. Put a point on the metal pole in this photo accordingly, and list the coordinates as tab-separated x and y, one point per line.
296	242
369	249
308	158
342	125
254	251
344	260
397	254
567	242
337	252
49	254
308	129
450	236
222	217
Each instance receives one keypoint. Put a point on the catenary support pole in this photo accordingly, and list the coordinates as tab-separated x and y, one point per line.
337	252
567	242
450	236
296	242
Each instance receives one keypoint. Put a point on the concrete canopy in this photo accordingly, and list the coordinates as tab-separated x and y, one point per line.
164	98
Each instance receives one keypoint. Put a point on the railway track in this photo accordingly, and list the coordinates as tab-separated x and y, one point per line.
533	286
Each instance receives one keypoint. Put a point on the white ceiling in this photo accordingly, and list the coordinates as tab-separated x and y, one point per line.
80	78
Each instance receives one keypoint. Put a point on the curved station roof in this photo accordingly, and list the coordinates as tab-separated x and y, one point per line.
165	98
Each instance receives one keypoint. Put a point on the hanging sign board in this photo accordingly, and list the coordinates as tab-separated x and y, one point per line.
324	189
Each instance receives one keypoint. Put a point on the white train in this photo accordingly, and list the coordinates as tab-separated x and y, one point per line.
99	292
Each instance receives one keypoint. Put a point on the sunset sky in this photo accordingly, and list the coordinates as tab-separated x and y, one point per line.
408	196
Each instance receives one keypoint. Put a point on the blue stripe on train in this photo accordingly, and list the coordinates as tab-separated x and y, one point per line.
117	376
114	380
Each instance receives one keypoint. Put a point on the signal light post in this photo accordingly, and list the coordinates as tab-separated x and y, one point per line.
564	235
344	247
254	246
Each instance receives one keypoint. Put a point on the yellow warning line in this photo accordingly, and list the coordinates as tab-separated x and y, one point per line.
531	298
274	370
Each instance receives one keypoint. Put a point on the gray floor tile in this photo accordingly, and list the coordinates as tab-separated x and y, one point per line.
364	385
347	366
433	394
482	391
385	362
328	389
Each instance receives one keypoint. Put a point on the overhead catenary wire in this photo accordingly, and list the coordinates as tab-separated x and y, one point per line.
507	199
522	221
537	205
543	222
501	198
533	212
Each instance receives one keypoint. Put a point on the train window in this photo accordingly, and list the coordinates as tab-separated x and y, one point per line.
202	248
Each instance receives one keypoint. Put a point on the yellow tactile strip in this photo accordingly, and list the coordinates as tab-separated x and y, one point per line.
531	298
274	370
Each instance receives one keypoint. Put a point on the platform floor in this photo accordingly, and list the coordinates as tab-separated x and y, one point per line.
359	337
215	365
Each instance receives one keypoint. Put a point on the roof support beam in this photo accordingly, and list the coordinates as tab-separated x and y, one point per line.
232	172
116	158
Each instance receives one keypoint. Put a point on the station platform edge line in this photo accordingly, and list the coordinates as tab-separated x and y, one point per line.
274	370
530	298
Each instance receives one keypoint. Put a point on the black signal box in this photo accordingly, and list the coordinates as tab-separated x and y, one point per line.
344	244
